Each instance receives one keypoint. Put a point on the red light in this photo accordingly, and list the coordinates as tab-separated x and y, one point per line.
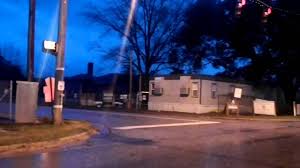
243	3
240	5
268	12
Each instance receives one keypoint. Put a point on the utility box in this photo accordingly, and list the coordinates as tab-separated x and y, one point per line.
26	102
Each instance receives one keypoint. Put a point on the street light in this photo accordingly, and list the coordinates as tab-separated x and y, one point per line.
50	46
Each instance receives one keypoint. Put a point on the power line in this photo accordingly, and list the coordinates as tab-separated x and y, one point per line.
263	4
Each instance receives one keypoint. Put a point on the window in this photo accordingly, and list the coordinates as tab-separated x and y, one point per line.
156	90
238	93
152	86
184	92
214	90
195	89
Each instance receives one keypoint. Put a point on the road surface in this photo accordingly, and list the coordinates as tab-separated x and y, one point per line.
141	140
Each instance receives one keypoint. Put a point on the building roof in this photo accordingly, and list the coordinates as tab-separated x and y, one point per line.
204	77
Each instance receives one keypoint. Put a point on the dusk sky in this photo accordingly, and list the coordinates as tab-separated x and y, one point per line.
81	36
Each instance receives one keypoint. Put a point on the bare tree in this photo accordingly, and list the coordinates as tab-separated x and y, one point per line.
151	37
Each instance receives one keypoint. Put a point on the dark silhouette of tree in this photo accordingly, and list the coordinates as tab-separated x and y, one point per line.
270	48
154	26
204	37
9	71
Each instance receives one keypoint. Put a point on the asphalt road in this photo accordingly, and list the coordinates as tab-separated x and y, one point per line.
141	140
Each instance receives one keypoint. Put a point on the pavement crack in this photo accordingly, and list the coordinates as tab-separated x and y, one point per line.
270	139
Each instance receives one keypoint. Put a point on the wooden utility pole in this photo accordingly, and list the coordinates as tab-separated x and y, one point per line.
140	83
60	61
31	37
130	81
140	91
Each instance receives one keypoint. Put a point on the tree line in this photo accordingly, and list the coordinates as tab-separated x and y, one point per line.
8	69
183	36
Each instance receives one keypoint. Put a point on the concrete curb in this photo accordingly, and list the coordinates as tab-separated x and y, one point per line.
179	114
257	119
35	146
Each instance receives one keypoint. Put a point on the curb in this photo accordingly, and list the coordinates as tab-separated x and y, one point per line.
178	114
258	119
34	146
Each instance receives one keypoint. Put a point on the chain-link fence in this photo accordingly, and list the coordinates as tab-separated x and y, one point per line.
7	93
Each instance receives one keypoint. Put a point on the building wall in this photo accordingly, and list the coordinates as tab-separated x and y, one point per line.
170	100
183	107
223	88
171	91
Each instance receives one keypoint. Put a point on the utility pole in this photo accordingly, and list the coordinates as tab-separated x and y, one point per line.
31	35
130	81
60	60
140	91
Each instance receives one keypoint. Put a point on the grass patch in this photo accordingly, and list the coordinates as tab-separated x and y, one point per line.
29	133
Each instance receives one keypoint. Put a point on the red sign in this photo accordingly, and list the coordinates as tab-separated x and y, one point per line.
49	89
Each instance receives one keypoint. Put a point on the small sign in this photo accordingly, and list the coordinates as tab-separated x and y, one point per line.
232	107
238	93
144	98
61	86
47	94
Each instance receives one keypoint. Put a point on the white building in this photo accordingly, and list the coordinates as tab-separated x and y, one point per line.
196	94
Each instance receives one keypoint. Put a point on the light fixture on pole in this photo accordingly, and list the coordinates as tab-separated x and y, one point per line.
50	46
58	49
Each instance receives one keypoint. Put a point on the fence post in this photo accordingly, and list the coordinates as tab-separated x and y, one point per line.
218	103
10	100
295	108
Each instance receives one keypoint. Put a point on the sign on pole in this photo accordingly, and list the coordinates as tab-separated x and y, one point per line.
49	89
238	93
61	86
